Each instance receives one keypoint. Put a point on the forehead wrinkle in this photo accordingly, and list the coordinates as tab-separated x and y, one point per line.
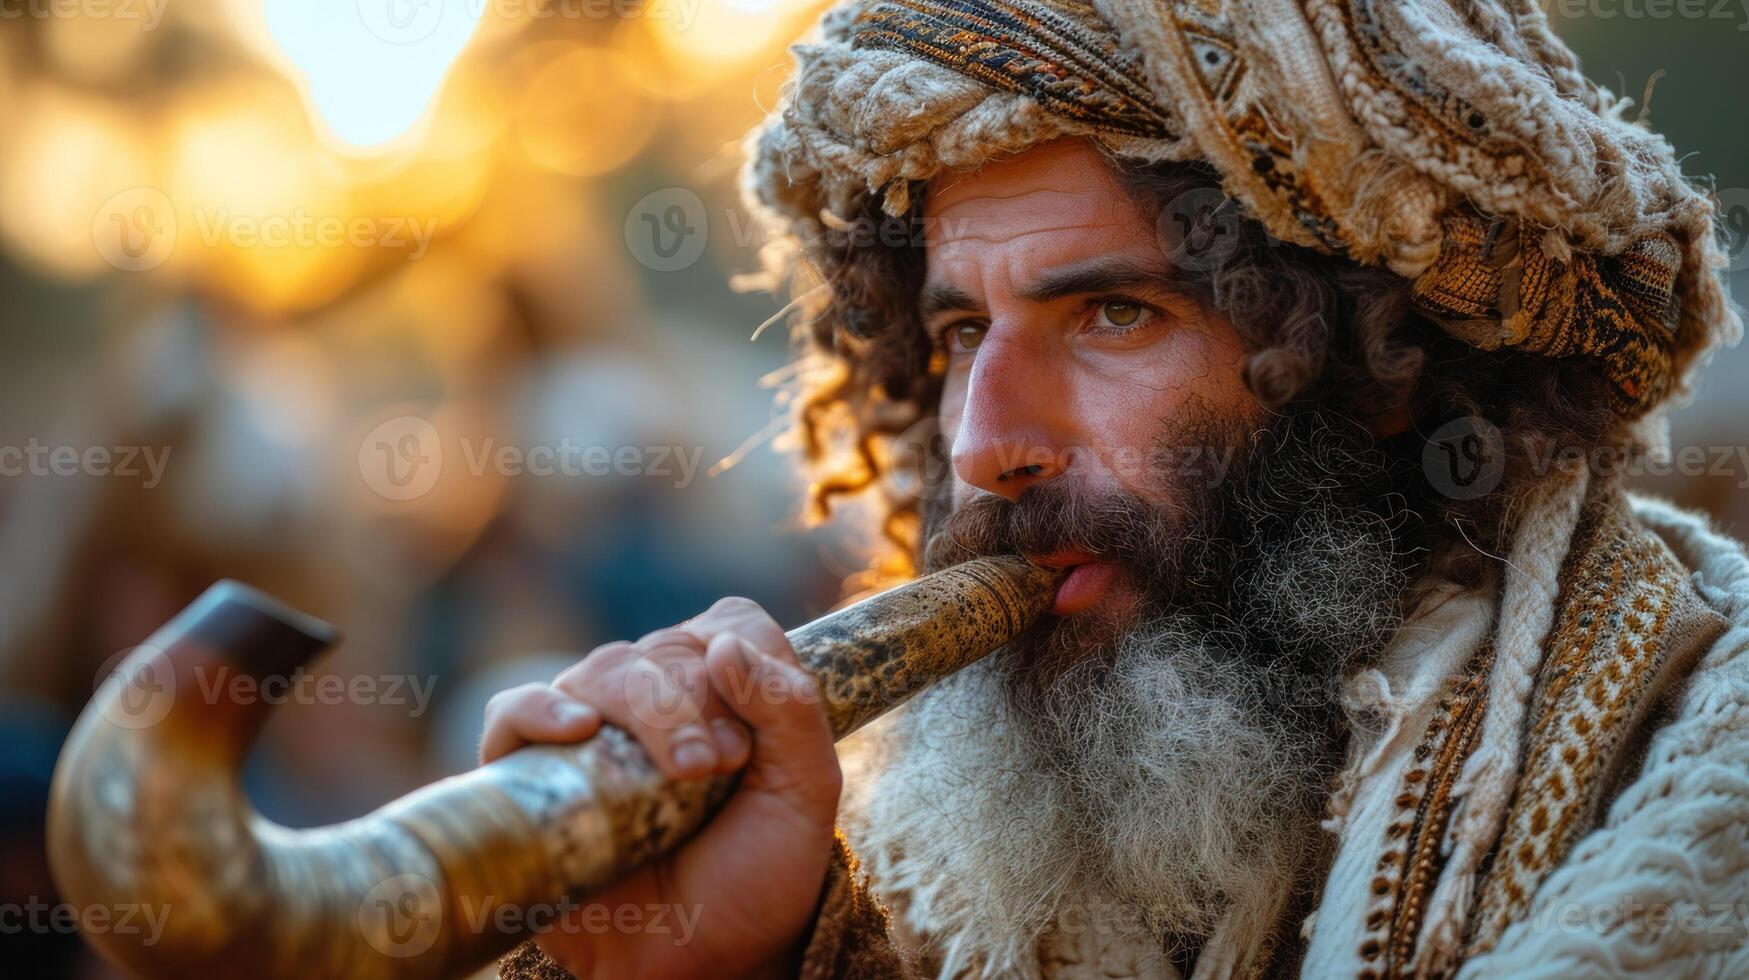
1023	233
1005	192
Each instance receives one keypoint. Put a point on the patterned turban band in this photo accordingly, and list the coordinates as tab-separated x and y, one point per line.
1454	141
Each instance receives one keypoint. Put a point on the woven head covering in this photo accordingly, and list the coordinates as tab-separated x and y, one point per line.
1454	141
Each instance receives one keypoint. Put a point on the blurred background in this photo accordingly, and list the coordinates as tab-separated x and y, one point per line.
418	314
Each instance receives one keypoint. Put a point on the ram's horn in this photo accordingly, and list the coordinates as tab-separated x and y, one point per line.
149	827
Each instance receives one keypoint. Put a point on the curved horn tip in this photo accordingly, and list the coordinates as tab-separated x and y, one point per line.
240	618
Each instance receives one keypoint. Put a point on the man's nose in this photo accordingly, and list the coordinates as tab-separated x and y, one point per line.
1008	437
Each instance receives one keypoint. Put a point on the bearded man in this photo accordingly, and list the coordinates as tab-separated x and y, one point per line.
1310	339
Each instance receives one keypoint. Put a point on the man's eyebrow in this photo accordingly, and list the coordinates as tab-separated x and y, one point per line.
941	297
1102	274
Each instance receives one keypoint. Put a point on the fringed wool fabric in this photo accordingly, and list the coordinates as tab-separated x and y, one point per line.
1631	629
1661	887
1489	767
1628	626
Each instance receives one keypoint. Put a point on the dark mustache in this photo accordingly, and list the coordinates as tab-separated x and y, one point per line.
1115	526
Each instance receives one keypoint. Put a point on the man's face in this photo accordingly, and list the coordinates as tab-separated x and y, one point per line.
1167	737
1076	369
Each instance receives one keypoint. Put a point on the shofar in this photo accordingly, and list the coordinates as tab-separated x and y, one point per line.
148	819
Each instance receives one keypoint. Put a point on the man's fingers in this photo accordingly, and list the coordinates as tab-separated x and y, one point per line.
534	713
658	692
747	618
792	752
668	699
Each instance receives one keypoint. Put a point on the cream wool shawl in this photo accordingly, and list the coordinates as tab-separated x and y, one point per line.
1661	887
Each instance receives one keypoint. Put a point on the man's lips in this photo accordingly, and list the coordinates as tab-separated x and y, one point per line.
1088	579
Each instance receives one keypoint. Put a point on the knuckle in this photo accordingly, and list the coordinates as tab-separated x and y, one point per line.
601	660
749	616
509	698
609	654
735	606
736	614
670	640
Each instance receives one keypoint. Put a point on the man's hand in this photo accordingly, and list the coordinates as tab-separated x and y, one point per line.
716	693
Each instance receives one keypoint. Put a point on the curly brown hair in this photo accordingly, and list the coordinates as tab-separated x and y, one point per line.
1317	327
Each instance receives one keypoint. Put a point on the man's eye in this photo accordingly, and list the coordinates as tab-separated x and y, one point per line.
1121	313
966	336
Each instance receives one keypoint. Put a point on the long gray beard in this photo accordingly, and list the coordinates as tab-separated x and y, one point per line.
1147	792
1149	804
